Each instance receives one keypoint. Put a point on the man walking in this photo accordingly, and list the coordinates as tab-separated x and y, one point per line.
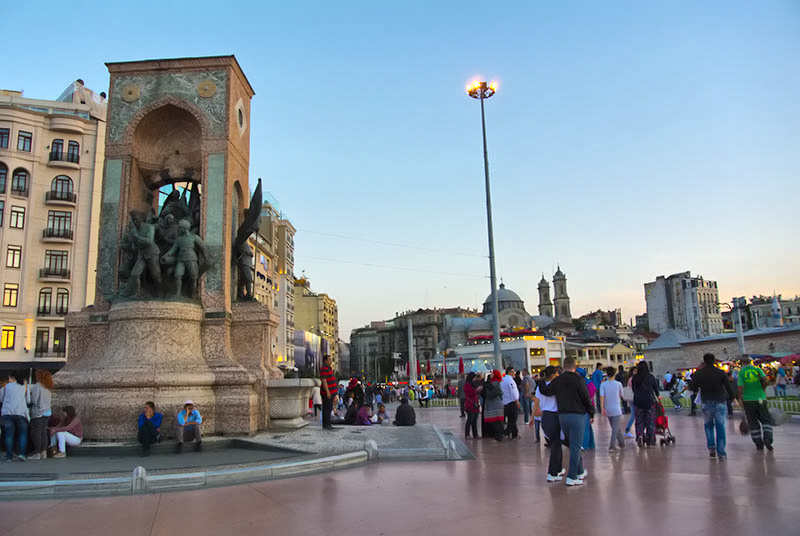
552	430
752	382
572	398
715	390
327	391
461	394
597	380
528	388
510	403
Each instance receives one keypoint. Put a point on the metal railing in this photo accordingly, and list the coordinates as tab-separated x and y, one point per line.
56	195
60	273
56	156
57	233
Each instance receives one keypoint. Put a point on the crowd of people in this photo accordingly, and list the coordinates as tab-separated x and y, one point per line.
561	404
30	429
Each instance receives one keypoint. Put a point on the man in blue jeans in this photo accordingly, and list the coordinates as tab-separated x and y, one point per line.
572	398
715	390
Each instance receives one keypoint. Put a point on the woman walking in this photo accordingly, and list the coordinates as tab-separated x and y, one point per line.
645	397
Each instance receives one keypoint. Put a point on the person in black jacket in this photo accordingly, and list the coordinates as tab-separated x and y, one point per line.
646	394
715	392
572	398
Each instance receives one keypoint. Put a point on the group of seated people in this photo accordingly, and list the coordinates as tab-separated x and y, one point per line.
361	414
188	421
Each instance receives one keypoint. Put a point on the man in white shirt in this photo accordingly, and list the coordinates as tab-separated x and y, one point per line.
510	403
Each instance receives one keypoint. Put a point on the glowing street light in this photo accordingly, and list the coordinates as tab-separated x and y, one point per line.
482	91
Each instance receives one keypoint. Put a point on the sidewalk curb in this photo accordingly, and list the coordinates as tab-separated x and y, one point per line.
140	482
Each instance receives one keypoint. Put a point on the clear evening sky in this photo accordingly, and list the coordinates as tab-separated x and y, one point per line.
627	139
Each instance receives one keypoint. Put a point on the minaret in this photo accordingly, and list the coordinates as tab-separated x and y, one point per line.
545	305
777	313
561	298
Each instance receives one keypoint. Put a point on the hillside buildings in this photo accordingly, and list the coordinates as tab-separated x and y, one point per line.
51	161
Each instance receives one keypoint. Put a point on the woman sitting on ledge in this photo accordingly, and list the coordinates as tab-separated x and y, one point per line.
68	432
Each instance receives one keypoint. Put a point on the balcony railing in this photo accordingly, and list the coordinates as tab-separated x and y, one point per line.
59	273
56	195
56	156
50	311
43	352
57	233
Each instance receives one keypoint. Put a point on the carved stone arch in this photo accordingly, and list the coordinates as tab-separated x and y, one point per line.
168	100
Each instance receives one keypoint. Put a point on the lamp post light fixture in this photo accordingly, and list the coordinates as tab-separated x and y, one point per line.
482	91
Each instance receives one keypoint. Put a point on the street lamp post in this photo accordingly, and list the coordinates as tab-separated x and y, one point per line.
482	91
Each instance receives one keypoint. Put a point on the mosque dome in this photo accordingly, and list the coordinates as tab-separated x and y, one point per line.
503	295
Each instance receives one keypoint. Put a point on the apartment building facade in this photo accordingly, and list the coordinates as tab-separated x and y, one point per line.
51	160
684	303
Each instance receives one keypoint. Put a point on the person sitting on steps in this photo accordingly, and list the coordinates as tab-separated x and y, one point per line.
189	421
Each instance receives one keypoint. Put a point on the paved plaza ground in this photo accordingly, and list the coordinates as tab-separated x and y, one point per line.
675	490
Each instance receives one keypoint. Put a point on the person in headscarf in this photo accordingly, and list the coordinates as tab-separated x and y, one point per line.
493	413
588	432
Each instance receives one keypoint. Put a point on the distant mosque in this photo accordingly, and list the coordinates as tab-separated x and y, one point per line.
512	313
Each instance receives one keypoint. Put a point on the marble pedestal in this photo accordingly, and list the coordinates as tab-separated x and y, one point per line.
160	351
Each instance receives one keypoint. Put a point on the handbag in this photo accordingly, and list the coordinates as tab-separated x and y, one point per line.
627	394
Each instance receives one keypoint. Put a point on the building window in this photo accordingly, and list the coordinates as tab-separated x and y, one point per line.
60	341
3	177
59	223
61	189
24	140
13	256
7	340
10	292
19	182
4	138
57	150
42	341
45	299
73	152
62	301
55	261
16	219
2	211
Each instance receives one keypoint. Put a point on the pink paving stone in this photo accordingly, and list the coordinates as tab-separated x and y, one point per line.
674	490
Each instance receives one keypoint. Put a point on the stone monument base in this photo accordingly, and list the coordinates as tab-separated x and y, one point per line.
143	351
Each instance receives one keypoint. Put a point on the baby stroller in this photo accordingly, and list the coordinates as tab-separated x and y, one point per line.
662	426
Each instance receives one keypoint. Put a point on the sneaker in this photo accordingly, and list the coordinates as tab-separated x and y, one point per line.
650	446
722	457
640	442
759	447
35	456
583	474
768	444
712	453
60	454
562	472
612	449
20	458
629	434
576	482
551	478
